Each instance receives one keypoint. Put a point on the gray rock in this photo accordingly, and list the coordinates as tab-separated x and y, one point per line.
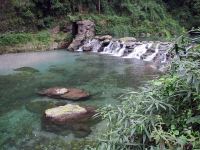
68	114
85	31
105	37
127	39
87	48
65	93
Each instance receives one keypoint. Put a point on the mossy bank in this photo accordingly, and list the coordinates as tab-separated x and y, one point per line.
117	18
30	41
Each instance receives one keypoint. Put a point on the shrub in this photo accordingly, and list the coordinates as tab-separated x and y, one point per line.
164	115
10	39
13	39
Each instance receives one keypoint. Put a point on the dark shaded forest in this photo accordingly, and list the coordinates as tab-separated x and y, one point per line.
40	14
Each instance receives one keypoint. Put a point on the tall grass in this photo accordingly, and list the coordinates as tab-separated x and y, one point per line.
10	39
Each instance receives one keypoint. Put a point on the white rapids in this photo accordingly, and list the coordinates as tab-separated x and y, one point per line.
139	51
152	56
146	51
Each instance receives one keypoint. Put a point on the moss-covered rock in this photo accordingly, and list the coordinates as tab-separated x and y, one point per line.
27	69
68	113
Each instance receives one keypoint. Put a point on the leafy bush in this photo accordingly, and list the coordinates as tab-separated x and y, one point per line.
164	115
43	37
111	17
120	26
23	38
13	39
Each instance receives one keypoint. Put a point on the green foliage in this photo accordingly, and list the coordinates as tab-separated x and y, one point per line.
120	26
13	39
23	38
119	18
186	11
43	37
164	115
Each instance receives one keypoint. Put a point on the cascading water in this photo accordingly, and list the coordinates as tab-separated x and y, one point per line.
96	45
115	48
139	51
164	58
152	56
121	51
80	49
107	48
147	51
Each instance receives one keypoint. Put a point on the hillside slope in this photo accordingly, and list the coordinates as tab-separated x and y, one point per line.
116	17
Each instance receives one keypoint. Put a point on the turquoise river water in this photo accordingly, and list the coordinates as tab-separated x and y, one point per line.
21	109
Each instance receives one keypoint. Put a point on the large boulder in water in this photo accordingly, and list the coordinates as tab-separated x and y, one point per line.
68	114
65	93
128	41
87	48
85	31
54	92
76	43
104	37
75	94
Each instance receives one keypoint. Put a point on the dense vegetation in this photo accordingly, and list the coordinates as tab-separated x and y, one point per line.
186	11
165	114
26	41
130	17
23	38
120	18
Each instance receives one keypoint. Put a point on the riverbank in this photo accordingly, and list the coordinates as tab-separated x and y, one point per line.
163	115
27	42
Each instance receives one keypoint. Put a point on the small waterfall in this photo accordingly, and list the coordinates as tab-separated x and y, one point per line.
164	59
80	49
87	43
167	48
148	51
152	56
139	51
107	48
96	45
115	48
121	51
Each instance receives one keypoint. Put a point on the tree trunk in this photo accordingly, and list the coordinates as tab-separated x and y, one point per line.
99	6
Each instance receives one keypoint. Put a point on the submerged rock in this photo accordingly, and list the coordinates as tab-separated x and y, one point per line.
27	69
65	93
69	118
54	92
75	94
68	114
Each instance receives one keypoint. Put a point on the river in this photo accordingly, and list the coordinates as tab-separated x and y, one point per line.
21	109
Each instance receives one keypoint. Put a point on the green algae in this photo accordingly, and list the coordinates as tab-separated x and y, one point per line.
27	69
39	106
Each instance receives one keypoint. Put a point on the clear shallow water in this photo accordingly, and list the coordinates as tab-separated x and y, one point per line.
21	109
